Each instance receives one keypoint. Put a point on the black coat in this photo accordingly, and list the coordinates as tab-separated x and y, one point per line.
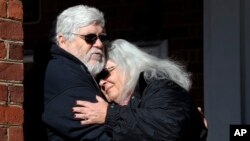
159	110
67	80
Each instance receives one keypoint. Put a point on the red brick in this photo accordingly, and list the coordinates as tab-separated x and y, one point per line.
3	50
2	8
11	30
16	94
16	51
2	113
14	115
3	92
3	134
15	9
11	71
16	134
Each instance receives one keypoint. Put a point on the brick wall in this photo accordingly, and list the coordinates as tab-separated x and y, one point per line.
11	70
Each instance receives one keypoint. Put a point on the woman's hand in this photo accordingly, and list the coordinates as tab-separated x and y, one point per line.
91	113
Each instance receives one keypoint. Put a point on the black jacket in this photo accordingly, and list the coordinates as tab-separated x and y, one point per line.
159	110
67	80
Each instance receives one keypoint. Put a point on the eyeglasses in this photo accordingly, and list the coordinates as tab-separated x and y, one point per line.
105	73
91	38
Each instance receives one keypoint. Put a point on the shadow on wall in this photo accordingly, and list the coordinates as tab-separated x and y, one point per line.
34	72
33	104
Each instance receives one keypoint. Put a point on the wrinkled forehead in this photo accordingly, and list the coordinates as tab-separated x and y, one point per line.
109	64
92	28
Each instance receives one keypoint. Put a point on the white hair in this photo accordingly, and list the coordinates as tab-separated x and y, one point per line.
133	61
70	21
73	18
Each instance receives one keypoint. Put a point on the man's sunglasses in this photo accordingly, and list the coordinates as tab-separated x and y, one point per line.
91	38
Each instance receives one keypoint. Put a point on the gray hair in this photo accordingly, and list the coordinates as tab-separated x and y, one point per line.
133	61
73	18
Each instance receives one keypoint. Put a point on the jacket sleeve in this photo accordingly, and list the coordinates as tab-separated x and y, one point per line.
164	113
61	92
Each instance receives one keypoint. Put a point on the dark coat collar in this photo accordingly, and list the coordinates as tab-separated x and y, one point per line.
141	85
56	50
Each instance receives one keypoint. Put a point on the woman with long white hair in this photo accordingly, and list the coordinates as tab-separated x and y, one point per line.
148	98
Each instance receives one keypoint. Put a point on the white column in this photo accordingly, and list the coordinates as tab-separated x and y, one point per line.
246	67
226	65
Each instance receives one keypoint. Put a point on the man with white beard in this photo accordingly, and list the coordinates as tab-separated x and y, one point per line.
77	55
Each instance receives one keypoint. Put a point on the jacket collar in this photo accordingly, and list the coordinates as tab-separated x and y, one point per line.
141	85
56	50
